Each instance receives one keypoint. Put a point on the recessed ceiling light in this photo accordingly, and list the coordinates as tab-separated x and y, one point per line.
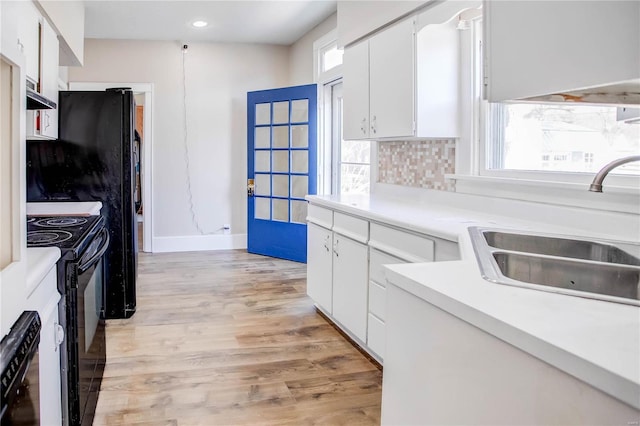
199	24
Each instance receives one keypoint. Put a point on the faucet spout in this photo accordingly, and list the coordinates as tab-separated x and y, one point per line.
596	185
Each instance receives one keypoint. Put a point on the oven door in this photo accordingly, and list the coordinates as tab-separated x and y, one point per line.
91	334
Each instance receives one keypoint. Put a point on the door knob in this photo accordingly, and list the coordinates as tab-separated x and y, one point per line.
251	188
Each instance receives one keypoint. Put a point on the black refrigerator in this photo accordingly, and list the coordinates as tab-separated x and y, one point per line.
93	161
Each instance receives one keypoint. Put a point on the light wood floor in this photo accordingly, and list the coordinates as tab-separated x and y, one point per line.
226	338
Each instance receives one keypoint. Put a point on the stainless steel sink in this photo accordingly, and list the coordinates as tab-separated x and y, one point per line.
600	269
557	246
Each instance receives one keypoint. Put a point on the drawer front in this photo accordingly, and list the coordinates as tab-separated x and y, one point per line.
376	340
377	260
320	216
407	246
352	227
377	300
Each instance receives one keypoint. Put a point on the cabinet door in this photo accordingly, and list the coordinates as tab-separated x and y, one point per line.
544	47
49	80
355	123
319	257
350	285
29	35
392	81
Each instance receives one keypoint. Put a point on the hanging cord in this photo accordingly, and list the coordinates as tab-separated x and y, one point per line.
194	219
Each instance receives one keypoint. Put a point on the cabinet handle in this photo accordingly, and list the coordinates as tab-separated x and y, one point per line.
326	243
48	120
335	249
363	125
59	335
373	124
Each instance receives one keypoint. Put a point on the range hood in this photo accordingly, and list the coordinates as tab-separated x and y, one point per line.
36	101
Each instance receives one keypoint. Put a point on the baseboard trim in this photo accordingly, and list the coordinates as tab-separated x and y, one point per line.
199	243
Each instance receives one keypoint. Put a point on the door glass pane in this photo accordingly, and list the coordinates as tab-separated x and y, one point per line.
280	210
299	161
263	114
281	112
280	185
298	211
300	136
299	185
262	208
280	161
281	137
263	185
262	137
300	111
262	161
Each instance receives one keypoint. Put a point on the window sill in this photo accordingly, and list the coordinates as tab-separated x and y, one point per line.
613	198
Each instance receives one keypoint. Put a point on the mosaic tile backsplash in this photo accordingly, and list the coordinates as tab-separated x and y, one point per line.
421	164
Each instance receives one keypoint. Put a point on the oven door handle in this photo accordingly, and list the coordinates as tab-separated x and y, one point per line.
96	257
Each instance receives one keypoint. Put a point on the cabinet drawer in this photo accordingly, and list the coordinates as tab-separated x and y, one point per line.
376	340
352	227
320	216
377	260
404	245
377	300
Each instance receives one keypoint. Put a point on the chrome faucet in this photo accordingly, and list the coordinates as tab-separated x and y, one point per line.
596	185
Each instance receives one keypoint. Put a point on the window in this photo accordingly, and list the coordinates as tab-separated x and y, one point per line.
558	138
331	57
344	167
351	163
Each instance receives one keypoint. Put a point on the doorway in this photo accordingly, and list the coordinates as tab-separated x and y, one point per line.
143	93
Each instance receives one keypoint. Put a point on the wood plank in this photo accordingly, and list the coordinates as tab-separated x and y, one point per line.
229	337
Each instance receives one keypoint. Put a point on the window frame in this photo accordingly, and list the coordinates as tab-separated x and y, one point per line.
473	177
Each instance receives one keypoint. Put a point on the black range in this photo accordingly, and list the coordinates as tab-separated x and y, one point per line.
82	240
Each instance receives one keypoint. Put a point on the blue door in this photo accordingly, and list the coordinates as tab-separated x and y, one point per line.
281	151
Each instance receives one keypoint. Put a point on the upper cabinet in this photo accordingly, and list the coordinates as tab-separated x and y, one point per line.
43	123
562	50
29	40
378	85
403	81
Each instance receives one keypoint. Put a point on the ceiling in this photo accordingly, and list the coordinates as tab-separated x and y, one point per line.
272	22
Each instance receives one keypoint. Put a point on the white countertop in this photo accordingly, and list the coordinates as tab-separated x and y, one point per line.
595	341
64	208
40	260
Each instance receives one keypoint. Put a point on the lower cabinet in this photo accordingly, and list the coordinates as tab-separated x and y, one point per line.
346	279
350	285
319	266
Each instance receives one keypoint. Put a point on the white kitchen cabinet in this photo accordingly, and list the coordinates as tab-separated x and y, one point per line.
440	369
402	82
378	85
350	262
43	124
535	48
44	298
337	268
319	266
29	38
355	124
392	81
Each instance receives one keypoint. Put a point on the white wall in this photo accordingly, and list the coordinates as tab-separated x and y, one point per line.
301	52
218	79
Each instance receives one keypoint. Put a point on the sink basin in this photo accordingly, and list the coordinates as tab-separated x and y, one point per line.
557	246
604	270
610	279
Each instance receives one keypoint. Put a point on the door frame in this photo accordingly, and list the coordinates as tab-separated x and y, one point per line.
147	151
